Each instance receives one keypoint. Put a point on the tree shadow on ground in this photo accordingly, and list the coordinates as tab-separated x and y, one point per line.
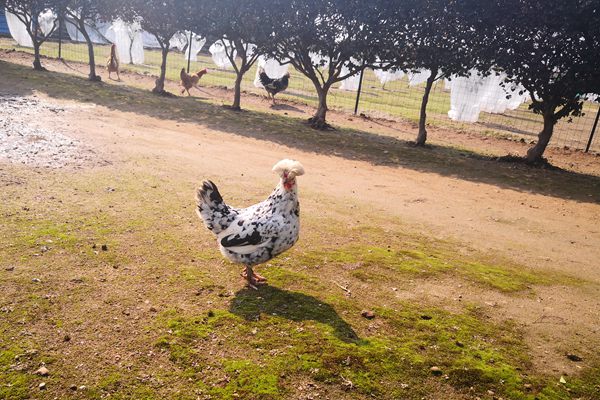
250	304
285	107
295	133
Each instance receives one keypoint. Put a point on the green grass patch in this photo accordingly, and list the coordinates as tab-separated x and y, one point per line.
271	338
14	382
370	263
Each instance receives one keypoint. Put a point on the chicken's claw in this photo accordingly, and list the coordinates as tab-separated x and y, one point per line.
253	279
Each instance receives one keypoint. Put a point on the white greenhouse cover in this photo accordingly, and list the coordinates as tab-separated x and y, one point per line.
97	32
219	56
126	37
272	68
389	75
18	30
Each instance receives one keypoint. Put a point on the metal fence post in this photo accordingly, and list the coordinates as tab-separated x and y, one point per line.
189	49
362	71
589	143
60	24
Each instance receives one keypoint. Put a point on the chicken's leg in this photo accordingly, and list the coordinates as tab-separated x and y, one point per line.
252	277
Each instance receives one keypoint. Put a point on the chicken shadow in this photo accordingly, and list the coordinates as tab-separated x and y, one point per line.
250	304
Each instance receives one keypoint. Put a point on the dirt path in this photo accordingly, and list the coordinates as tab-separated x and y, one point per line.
537	230
542	232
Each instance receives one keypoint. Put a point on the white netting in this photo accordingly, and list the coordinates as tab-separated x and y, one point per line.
464	98
219	54
493	96
18	30
388	76
97	32
46	21
318	60
129	42
351	83
447	84
149	40
250	50
417	77
194	47
180	42
272	68
473	94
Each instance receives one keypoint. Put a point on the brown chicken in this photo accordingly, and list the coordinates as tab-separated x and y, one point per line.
189	81
113	62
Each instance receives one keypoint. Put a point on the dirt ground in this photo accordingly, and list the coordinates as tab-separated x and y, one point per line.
542	230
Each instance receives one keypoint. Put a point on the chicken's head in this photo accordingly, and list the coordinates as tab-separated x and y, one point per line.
288	170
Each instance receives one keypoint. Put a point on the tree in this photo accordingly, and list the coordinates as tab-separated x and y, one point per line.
432	35
243	28
85	13
28	12
327	41
162	18
552	49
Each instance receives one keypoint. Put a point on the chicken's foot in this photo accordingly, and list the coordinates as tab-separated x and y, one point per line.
252	277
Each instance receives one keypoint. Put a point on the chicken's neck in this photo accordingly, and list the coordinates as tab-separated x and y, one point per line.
286	190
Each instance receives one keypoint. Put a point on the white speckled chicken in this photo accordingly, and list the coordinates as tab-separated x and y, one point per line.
253	235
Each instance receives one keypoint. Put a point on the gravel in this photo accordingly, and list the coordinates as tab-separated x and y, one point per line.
24	141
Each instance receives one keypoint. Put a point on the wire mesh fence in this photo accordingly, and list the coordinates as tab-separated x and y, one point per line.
397	100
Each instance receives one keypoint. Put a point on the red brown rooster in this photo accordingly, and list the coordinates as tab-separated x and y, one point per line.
189	81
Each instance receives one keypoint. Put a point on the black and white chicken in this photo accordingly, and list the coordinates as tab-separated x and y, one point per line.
272	85
254	235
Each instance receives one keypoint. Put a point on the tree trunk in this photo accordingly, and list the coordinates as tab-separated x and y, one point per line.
159	87
534	154
130	50
92	76
237	94
422	136
37	64
318	120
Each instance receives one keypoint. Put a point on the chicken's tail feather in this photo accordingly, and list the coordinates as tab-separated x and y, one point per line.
212	209
209	194
182	74
264	78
